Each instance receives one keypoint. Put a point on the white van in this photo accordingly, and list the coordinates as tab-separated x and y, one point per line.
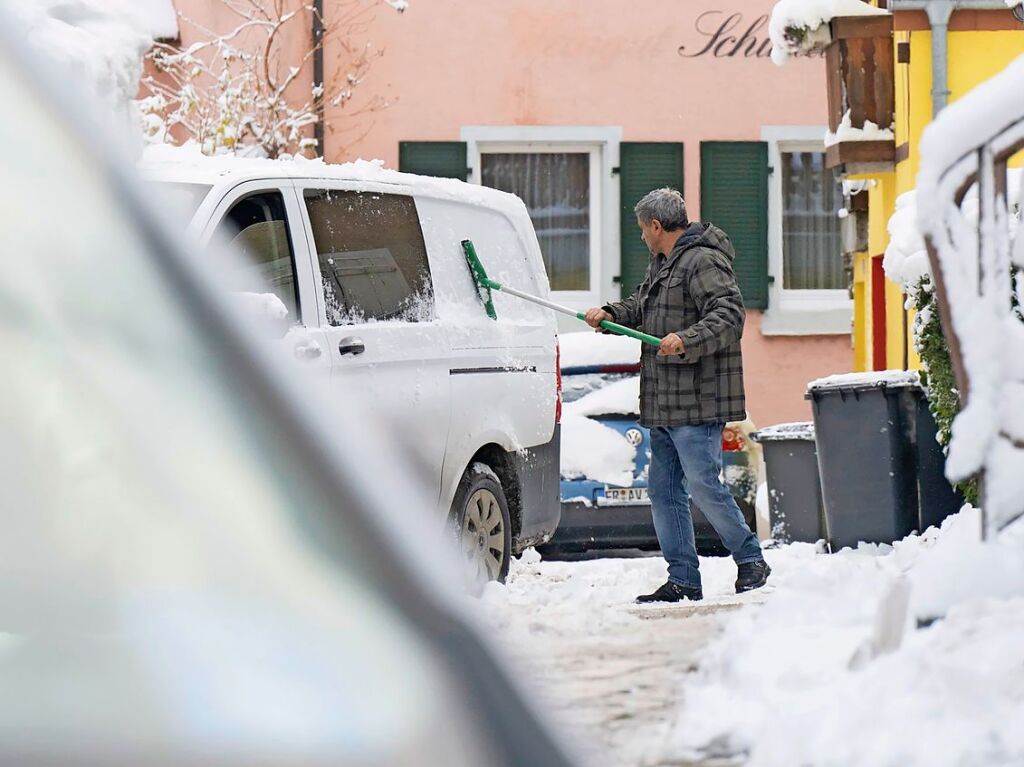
370	265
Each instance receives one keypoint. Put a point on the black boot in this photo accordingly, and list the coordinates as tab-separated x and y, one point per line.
672	592
752	575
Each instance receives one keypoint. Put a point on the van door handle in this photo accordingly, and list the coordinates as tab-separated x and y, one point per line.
351	346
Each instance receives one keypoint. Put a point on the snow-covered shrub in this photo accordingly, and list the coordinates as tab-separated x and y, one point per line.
247	89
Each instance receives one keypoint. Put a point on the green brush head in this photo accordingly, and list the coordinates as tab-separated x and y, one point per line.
483	282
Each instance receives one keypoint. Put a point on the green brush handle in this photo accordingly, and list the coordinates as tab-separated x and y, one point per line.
622	330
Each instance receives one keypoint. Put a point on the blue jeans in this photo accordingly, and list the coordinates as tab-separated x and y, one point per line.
685	461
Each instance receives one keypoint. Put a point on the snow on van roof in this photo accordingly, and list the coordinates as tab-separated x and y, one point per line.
588	348
188	163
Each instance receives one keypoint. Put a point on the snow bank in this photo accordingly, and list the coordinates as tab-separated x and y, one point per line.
798	26
833	669
846	132
879	378
591	449
617	398
589	348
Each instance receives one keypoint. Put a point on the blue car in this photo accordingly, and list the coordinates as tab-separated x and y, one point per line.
606	454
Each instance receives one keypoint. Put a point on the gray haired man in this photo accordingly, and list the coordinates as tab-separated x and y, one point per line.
689	388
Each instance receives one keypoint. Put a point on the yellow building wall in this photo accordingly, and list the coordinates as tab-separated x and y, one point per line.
974	57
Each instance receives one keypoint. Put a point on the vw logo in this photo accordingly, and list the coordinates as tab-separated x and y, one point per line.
634	437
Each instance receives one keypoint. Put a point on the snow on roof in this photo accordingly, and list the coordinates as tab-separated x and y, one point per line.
873	379
188	163
808	15
591	449
587	348
803	430
617	398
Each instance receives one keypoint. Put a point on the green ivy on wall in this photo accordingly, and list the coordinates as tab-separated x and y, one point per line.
937	373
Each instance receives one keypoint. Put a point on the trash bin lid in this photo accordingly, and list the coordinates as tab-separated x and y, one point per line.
803	430
877	379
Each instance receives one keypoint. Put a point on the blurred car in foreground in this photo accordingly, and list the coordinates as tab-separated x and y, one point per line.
190	572
606	454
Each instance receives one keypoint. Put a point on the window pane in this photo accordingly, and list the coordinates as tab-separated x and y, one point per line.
372	256
556	190
258	229
811	245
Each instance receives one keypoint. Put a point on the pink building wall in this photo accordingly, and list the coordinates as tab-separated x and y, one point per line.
662	70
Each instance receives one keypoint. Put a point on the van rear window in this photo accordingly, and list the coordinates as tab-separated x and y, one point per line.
372	257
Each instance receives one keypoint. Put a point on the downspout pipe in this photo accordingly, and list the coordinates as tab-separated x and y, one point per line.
318	73
939	13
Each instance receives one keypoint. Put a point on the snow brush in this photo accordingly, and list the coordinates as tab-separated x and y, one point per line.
485	285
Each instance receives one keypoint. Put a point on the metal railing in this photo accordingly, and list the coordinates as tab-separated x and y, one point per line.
974	260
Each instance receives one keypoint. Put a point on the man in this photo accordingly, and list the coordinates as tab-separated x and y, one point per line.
689	388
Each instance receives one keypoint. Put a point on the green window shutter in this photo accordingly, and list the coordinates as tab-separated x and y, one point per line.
643	166
734	197
446	159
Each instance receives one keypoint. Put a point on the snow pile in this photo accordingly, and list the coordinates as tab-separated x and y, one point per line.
906	259
587	349
834	670
879	378
616	398
799	26
593	450
97	46
990	334
847	132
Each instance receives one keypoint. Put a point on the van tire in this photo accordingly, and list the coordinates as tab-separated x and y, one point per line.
480	516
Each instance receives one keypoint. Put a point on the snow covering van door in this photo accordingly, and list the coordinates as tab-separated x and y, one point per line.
385	342
272	276
503	372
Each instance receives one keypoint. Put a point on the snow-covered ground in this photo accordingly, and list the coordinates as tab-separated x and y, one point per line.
885	655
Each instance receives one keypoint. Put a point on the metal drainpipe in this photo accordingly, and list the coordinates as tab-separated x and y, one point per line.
938	17
939	12
318	72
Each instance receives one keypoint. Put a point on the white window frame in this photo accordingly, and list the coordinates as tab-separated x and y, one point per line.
602	144
796	312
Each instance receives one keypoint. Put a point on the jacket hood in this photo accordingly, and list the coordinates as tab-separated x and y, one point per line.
708	236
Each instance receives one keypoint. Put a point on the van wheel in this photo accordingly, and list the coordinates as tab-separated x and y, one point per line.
481	521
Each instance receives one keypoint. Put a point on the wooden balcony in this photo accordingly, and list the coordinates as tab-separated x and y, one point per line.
859	65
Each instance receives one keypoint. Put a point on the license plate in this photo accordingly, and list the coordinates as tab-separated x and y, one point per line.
615	495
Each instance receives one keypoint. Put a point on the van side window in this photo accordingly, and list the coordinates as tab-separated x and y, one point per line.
258	229
372	256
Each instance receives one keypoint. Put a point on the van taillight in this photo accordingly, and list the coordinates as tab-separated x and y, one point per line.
558	381
732	440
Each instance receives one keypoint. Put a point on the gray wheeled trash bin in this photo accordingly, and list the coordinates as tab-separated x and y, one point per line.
865	429
795	509
938	499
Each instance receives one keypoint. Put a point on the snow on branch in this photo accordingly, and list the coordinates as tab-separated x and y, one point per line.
802	26
250	87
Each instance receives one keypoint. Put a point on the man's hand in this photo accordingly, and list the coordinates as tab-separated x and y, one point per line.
670	344
594	317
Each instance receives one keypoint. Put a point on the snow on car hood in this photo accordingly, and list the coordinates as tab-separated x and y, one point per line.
618	398
585	349
591	449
